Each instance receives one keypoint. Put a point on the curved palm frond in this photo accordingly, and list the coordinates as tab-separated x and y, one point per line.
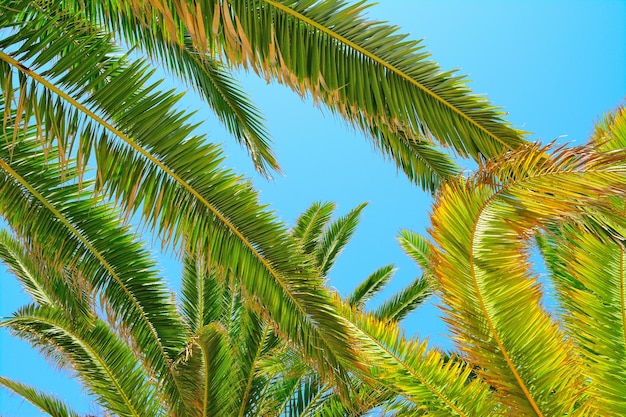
111	370
43	281
588	270
361	69
493	302
420	377
46	403
52	212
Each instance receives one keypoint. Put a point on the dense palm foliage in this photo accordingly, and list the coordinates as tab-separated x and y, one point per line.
91	141
232	361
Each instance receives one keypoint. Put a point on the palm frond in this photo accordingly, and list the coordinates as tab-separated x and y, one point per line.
202	295
372	284
211	360
405	301
610	132
46	403
108	367
201	72
335	238
363	70
492	301
421	377
588	271
85	237
417	247
310	225
43	281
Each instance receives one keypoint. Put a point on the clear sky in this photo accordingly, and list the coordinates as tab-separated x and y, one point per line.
554	66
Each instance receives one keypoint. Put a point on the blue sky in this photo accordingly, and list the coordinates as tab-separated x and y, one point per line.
554	66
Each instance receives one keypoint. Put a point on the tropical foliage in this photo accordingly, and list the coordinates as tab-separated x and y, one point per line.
92	143
232	361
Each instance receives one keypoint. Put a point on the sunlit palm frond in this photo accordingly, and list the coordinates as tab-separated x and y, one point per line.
203	298
335	238
361	69
589	278
610	132
310	225
364	70
109	368
372	285
418	377
418	248
44	282
492	300
405	301
46	403
74	232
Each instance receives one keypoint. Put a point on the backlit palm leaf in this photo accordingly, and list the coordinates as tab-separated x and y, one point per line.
481	226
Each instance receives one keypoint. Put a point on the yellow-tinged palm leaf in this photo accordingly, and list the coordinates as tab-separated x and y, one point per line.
493	302
422	378
589	273
610	132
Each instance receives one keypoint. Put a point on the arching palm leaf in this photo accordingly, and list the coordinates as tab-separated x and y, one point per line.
492	300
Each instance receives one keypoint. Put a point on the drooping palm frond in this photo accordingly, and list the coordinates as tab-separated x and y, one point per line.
492	301
589	279
364	70
361	69
148	158
46	403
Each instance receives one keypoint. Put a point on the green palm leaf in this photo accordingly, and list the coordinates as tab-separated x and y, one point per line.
114	374
372	284
43	281
46	403
335	238
363	70
310	225
492	300
405	301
